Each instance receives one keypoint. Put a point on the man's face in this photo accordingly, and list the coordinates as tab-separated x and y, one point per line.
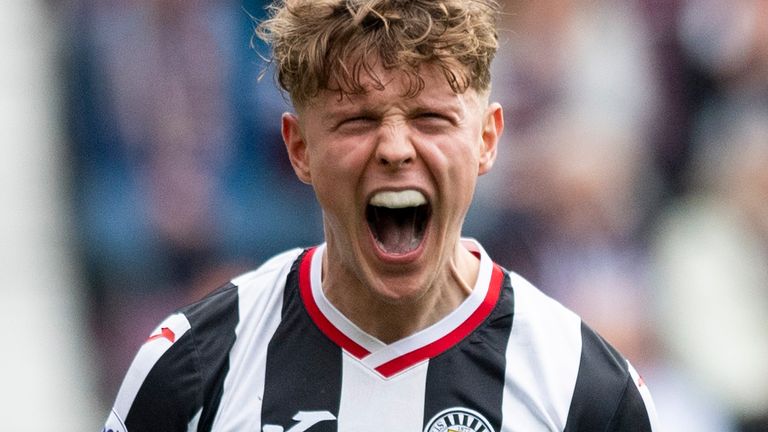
395	177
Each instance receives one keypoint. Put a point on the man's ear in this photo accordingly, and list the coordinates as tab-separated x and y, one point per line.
296	146
493	126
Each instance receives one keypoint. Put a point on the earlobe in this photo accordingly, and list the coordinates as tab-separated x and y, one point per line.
296	147
493	126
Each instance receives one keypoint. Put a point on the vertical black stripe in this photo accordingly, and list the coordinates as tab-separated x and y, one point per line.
631	414
169	396
471	374
190	375
602	386
213	322
303	371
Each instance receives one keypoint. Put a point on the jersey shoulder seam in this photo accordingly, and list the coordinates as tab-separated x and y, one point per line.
200	402
627	383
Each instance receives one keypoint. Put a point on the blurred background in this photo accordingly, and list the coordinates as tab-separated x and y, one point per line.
141	167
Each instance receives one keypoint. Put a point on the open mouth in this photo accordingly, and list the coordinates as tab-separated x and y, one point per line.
398	220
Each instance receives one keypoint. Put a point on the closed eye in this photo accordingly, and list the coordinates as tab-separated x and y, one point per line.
356	123
433	122
432	115
357	119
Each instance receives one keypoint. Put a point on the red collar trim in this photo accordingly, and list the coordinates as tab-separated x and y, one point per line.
409	359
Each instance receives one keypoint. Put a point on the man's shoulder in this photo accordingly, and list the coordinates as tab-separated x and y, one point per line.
540	316
183	364
276	265
608	390
248	291
552	328
588	382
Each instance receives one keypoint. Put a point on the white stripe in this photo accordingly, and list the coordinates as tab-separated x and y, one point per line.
192	426
114	423
260	297
368	402
276	263
650	407
145	360
543	358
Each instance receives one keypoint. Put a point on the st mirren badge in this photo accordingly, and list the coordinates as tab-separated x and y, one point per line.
458	420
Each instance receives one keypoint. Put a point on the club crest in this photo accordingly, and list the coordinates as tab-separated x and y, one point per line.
458	420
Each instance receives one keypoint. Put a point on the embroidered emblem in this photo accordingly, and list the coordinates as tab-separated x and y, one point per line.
458	420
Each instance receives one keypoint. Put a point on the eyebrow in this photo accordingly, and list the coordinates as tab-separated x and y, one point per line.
331	117
363	106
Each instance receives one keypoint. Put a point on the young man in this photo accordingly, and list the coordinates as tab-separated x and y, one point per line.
395	322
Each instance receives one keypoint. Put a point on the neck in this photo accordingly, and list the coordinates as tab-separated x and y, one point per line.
389	320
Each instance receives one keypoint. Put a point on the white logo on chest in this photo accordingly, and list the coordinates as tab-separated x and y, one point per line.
305	419
458	420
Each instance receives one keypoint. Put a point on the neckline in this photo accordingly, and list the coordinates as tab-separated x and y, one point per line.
390	359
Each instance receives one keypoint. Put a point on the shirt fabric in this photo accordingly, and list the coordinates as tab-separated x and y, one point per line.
269	352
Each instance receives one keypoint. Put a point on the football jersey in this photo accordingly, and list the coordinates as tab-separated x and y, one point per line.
269	352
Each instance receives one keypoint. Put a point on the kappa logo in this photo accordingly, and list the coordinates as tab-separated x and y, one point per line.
305	419
458	420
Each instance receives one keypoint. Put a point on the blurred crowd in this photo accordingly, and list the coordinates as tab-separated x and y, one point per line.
632	183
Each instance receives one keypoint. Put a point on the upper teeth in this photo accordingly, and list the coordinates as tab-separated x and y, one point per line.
399	199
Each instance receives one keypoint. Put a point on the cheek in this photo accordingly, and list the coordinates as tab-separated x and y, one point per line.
345	155
457	160
336	170
454	166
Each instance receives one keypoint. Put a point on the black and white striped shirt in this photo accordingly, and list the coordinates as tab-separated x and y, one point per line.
269	353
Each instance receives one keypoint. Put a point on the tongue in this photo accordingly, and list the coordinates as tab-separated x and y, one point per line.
396	230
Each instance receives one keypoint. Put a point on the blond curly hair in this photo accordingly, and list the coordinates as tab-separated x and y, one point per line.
339	45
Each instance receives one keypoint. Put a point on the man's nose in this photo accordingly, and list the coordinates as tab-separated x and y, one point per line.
394	148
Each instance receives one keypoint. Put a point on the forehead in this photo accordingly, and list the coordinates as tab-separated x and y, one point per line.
428	86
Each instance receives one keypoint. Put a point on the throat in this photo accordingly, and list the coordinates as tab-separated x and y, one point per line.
398	231
390	323
377	311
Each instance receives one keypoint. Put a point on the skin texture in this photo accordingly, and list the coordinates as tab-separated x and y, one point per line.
349	148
